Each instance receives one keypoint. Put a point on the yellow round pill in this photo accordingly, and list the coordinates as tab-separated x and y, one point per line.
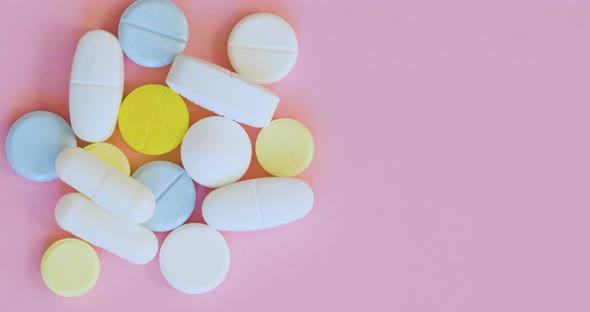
111	155
70	267
284	148
153	119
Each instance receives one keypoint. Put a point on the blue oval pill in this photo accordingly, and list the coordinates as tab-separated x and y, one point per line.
33	143
174	191
153	32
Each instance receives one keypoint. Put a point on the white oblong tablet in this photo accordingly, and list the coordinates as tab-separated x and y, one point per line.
263	48
96	86
107	186
194	258
222	91
257	204
82	217
216	151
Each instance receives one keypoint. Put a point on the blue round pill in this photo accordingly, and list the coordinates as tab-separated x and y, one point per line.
153	32
174	191
33	143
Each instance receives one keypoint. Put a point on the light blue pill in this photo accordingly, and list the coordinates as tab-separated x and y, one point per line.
174	191
33	143
153	32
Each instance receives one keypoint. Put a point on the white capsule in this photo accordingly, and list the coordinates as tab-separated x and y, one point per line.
108	187
85	219
96	86
257	204
222	91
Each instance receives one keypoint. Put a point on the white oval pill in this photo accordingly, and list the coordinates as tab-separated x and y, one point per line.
194	258
96	86
257	204
222	91
107	186
263	48
82	217
216	151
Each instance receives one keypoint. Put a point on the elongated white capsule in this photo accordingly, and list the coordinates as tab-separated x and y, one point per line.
96	86
108	187
85	219
222	91
257	204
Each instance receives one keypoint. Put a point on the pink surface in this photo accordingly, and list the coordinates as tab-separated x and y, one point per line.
452	166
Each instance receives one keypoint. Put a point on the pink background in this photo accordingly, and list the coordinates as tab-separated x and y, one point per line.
452	165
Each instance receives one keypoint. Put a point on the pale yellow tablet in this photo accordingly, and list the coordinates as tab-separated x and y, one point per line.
153	119
284	148
111	155
70	267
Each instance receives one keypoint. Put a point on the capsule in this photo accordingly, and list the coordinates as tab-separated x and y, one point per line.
96	86
105	185
257	204
82	217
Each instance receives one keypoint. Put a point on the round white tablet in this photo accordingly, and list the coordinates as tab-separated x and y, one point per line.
216	151
194	258
263	48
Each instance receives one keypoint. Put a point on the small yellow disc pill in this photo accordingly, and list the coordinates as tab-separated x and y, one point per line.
284	148
70	267
111	155
153	119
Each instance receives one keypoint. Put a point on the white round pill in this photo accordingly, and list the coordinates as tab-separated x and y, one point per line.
216	151
263	48
194	258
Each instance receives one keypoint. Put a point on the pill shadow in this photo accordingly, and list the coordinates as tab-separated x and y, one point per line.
106	19
153	267
36	252
197	215
54	63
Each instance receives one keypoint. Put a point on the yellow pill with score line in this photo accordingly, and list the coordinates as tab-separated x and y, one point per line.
284	148
153	119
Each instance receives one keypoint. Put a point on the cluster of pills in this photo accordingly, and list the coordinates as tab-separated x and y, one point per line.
120	212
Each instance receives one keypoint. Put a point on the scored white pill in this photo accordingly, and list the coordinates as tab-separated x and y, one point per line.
257	204
263	48
222	91
107	186
194	258
216	151
82	217
96	86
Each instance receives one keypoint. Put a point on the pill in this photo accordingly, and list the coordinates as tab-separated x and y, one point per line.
85	219
33	143
70	267
284	148
194	258
96	86
174	191
107	186
257	204
153	119
153	32
216	151
263	48
111	155
222	91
